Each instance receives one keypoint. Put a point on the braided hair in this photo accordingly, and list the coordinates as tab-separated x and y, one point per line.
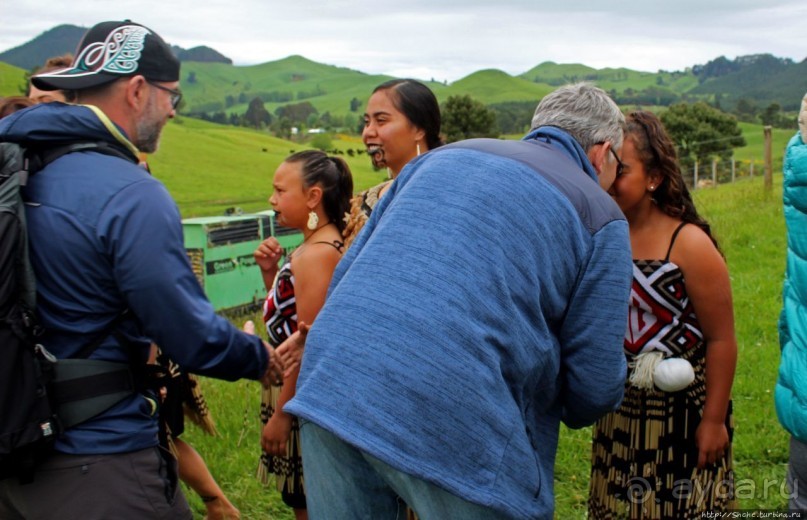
333	175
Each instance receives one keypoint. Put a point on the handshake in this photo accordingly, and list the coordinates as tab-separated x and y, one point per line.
284	359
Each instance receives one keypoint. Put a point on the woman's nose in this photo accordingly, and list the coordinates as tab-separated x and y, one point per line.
368	130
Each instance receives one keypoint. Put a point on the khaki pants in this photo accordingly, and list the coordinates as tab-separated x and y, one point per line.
126	486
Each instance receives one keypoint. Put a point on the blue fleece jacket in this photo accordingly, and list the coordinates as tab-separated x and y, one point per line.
484	302
106	236
791	387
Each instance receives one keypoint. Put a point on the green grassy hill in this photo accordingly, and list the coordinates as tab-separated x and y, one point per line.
221	87
53	42
556	74
329	89
209	168
763	79
495	86
12	80
292	80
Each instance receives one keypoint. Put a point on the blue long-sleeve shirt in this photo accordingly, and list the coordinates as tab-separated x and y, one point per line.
105	236
484	302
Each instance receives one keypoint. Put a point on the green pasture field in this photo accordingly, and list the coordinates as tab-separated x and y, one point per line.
12	80
208	168
755	143
748	223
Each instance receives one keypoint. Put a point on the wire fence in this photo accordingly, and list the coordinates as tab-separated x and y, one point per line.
716	172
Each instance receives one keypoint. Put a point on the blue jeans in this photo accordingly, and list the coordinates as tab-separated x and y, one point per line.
342	482
797	475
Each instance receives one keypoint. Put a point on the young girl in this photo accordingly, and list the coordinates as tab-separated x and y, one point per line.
666	452
312	193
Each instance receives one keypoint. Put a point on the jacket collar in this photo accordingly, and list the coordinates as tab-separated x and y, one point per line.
561	140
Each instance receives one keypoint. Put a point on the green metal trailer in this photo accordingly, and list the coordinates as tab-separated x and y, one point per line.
220	251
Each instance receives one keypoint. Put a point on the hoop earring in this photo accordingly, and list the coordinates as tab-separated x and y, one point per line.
313	220
418	147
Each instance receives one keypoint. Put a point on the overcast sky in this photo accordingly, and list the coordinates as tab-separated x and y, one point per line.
446	39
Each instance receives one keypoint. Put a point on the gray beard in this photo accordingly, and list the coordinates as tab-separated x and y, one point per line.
148	136
149	128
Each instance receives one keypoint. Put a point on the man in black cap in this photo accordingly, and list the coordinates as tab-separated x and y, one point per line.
106	237
117	67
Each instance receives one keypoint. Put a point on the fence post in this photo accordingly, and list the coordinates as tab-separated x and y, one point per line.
768	159
733	166
751	169
695	177
714	173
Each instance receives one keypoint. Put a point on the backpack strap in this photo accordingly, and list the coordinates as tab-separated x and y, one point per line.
53	394
87	350
38	156
83	388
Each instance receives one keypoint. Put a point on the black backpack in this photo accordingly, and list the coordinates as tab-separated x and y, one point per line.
40	396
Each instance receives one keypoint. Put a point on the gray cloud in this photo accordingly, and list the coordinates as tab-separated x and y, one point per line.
447	41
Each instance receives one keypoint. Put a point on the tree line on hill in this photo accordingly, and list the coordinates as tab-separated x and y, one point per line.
701	131
756	89
464	116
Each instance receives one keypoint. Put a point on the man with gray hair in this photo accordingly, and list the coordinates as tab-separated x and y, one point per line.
484	302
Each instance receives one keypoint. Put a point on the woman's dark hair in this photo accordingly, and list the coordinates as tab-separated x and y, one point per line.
656	150
55	63
418	103
11	104
333	175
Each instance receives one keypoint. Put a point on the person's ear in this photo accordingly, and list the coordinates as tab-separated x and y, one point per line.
597	155
313	197
653	181
803	119
137	93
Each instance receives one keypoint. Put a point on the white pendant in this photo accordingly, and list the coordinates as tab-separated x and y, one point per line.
673	374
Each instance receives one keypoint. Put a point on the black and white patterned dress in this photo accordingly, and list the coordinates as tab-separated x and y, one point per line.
280	317
644	456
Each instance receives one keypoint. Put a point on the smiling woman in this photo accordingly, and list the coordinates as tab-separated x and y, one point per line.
402	121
